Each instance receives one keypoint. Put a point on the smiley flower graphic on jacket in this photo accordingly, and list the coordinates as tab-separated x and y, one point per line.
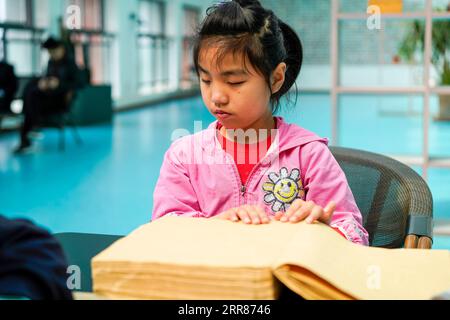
281	190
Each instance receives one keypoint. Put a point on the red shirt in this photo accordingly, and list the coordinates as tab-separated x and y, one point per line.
246	156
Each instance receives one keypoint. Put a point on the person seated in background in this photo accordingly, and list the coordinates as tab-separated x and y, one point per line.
50	94
8	87
32	263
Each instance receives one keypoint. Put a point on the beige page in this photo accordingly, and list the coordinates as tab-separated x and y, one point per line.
338	268
366	272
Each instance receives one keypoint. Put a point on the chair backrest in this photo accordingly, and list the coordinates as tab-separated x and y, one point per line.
80	248
388	194
22	82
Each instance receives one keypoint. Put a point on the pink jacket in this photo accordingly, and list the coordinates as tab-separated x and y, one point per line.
199	179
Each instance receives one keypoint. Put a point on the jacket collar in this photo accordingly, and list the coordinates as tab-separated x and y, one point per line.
289	136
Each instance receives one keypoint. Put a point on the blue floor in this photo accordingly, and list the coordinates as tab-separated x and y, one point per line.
106	185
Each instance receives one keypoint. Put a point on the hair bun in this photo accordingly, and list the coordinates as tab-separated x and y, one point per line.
248	3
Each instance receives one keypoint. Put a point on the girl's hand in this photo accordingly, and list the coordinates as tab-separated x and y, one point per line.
301	210
247	214
43	84
53	83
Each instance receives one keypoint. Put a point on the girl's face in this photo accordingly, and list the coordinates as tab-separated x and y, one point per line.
236	97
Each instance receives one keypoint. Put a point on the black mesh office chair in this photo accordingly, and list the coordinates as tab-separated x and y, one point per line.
395	202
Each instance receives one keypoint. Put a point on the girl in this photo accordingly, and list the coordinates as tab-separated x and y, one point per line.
249	165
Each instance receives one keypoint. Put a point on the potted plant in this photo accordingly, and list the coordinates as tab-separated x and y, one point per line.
413	43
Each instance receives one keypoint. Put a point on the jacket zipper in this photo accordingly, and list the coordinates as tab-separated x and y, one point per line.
244	187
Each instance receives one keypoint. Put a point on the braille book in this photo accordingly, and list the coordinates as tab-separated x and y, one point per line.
196	258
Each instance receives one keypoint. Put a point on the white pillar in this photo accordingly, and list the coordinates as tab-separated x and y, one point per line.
174	30
126	32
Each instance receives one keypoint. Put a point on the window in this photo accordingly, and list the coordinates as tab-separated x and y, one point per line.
153	47
191	22
94	48
20	37
14	11
151	17
23	51
91	13
41	17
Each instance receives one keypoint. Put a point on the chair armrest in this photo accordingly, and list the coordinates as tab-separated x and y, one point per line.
415	242
419	232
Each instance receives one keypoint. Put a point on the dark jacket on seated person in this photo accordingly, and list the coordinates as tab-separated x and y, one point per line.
67	73
8	86
32	263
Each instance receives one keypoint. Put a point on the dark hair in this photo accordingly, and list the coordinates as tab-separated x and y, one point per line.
51	43
245	27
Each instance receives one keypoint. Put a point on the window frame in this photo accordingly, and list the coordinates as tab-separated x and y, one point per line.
27	26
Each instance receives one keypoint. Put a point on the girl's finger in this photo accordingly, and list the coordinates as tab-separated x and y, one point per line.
294	207
262	215
331	206
254	215
233	215
316	213
303	212
244	215
223	216
278	215
328	212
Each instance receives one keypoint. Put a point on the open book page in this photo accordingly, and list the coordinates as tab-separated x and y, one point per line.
346	269
308	285
186	258
201	242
